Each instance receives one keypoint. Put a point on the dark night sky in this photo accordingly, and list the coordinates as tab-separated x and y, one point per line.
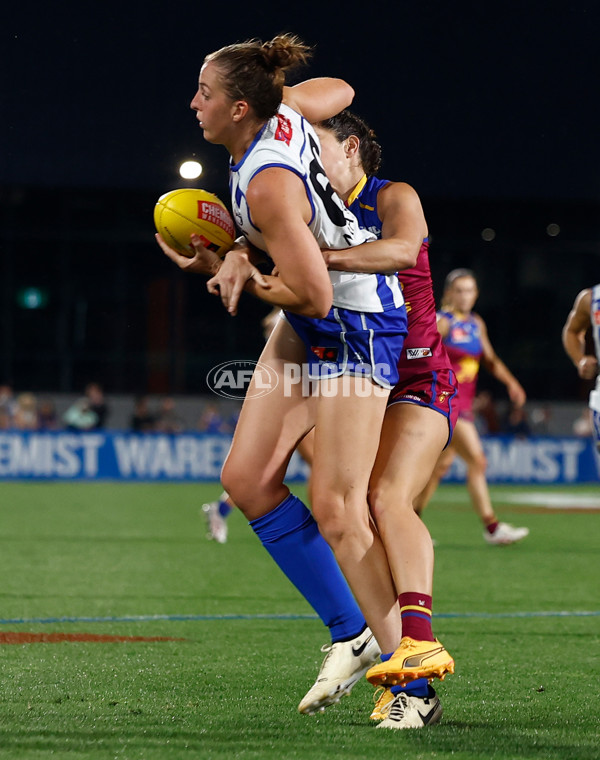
468	99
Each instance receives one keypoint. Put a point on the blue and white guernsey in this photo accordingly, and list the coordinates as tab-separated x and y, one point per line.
595	320
287	140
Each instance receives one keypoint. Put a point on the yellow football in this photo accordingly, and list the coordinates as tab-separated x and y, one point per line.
180	213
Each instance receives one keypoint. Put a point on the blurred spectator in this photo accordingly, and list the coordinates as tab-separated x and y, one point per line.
583	426
95	395
167	419
517	423
25	416
89	412
5	419
47	417
232	420
211	420
7	403
540	419
142	420
79	416
486	415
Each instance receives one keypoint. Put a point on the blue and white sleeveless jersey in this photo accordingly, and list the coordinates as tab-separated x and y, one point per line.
595	320
288	141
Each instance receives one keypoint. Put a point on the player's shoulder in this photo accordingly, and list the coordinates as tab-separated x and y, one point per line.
274	188
480	324
444	321
397	191
585	296
400	198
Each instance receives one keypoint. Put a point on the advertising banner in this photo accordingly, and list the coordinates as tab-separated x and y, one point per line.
188	457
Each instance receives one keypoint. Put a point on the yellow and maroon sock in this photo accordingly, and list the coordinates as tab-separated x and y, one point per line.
415	611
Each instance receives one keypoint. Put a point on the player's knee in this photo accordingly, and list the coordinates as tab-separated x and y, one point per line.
252	494
382	501
335	518
333	531
478	463
228	479
239	485
378	503
440	470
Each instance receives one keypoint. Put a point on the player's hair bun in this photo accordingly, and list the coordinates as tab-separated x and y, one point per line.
255	70
285	51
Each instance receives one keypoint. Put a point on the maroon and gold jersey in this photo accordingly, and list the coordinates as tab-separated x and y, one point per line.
425	372
464	347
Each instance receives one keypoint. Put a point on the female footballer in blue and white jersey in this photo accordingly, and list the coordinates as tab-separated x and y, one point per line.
352	323
585	316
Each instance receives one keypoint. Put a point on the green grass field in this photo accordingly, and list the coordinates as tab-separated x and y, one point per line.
523	623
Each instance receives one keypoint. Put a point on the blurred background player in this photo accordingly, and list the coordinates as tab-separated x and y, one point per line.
465	337
583	317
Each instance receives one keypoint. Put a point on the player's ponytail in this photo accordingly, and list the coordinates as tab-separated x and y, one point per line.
285	51
254	71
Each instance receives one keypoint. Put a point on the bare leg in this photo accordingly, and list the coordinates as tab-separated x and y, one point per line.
467	445
411	440
442	465
306	449
268	431
346	440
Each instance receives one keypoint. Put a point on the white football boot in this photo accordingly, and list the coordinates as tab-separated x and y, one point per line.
345	663
505	534
215	522
408	711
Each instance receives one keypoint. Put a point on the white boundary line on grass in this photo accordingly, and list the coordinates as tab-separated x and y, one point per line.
208	618
555	499
562	500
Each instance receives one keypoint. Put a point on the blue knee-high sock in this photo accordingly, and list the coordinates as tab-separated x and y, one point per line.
417	688
223	506
291	536
224	509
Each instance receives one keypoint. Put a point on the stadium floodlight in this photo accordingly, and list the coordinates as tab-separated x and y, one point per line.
190	169
32	297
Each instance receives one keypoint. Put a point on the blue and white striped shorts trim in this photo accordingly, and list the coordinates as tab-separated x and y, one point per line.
348	342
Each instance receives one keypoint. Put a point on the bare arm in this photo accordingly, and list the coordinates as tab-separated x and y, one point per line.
498	368
443	326
280	209
206	261
402	234
320	98
573	336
